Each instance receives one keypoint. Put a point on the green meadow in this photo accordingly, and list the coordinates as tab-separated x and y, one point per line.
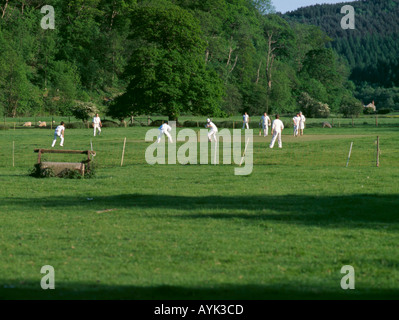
198	231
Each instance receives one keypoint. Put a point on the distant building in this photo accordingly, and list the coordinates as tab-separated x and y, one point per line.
372	106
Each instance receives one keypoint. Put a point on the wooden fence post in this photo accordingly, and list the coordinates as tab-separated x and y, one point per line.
123	152
378	152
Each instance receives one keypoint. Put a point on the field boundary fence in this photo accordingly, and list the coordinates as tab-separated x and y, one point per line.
19	153
50	122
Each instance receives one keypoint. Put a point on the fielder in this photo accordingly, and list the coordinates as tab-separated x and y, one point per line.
296	121
213	131
245	121
59	132
164	130
277	129
265	121
302	122
97	124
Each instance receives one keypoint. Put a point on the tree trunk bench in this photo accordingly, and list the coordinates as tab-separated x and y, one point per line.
59	167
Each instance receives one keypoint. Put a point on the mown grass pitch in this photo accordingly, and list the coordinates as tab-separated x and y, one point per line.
199	231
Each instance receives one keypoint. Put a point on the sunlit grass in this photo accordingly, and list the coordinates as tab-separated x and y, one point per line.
199	231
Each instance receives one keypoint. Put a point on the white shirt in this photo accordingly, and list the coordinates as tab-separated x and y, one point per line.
245	118
59	130
165	127
296	120
303	119
96	120
278	126
265	120
212	126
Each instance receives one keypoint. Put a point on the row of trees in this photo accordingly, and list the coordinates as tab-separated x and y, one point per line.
210	57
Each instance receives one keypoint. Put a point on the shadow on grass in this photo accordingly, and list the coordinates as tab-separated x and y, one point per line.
283	291
362	210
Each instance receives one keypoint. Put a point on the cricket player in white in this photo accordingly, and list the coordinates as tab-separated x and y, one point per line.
59	132
265	120
213	131
296	121
164	130
302	122
245	121
277	129
97	124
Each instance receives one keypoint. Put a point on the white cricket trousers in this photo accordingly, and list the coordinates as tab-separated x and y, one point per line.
276	136
212	134
265	130
164	133
97	127
295	131
55	140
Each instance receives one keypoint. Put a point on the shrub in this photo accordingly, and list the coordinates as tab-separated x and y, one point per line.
368	111
191	124
84	110
312	108
38	172
223	124
157	123
350	107
3	127
75	125
384	111
288	124
70	174
110	124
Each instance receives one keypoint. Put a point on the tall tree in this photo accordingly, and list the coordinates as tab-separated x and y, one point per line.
167	72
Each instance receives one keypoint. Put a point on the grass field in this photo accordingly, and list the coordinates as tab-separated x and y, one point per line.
199	231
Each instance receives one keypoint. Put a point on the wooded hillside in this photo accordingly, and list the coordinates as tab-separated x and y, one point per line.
371	50
171	57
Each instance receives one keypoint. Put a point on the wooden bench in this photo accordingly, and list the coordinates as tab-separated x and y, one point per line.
59	167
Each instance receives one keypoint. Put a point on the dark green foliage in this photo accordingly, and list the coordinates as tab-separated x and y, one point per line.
192	124
383	97
350	107
167	72
90	171
84	110
110	124
384	111
38	172
371	50
75	125
312	108
368	111
163	57
157	123
70	174
288	124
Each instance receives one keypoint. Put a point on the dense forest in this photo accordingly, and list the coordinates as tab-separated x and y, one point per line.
170	57
371	49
